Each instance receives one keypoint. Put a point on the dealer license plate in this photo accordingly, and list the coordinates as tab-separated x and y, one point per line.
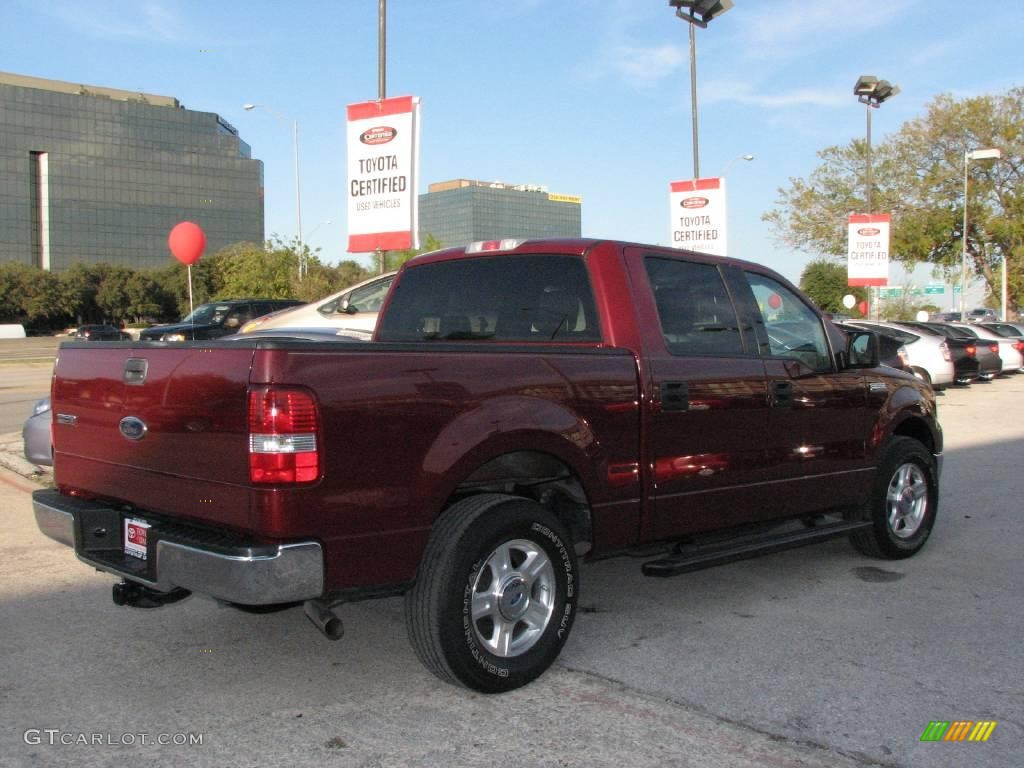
136	534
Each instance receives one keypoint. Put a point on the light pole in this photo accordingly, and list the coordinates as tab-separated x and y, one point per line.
971	154
697	13
871	92
298	193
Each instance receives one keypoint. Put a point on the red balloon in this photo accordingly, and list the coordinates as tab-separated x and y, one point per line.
775	301
863	307
186	242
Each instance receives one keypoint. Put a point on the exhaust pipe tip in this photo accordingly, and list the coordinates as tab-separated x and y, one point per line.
325	618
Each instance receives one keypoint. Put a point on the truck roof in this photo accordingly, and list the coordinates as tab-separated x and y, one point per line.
571	246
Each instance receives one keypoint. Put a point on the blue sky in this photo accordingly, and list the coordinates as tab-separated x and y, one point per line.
589	97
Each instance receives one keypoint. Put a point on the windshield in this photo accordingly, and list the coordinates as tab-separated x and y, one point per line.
207	314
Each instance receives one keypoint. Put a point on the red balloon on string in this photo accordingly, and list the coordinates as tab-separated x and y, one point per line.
186	242
775	301
863	307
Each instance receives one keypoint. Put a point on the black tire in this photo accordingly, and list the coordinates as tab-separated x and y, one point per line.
511	642
903	502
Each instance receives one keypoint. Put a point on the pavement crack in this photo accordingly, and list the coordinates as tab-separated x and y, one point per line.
859	757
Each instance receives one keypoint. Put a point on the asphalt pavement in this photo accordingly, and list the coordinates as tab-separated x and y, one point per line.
814	657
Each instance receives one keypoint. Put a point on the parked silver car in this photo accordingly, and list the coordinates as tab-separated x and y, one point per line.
35	434
353	309
928	356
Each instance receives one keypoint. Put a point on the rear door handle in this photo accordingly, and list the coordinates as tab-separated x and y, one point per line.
675	396
782	393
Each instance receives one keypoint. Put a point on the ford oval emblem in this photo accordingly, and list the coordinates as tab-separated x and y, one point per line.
133	428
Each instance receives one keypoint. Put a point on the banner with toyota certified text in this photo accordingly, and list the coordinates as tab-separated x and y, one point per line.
383	169
697	215
868	249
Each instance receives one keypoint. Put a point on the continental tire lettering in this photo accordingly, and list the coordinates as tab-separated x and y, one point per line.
570	586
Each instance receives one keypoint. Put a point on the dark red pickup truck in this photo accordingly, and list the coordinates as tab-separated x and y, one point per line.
523	404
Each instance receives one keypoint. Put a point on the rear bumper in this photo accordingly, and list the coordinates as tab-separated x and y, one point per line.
205	562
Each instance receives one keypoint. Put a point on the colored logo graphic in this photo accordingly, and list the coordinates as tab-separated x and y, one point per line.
958	730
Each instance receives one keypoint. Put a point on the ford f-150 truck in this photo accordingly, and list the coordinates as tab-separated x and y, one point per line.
523	404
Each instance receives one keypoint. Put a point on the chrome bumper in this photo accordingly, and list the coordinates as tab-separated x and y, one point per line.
244	574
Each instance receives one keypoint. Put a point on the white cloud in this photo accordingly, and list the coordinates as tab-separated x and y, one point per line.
792	28
120	19
744	93
644	67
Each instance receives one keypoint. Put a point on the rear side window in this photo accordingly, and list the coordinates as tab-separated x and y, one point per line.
498	298
696	314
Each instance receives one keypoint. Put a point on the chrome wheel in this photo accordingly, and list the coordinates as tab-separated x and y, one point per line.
906	500
513	598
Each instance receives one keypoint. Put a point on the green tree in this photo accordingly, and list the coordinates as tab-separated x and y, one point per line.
395	259
918	178
825	282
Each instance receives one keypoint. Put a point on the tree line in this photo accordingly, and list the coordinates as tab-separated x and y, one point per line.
97	292
919	180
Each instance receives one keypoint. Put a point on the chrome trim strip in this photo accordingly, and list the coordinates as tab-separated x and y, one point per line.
764	483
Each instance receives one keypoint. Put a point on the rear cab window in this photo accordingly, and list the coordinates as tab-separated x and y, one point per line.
694	308
515	298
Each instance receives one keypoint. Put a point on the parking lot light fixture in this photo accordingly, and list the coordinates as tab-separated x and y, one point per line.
872	92
698	13
972	154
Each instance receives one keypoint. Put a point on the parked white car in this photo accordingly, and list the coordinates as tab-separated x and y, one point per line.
353	309
928	355
1009	350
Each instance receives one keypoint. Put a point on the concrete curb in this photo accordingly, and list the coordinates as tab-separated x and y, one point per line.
12	457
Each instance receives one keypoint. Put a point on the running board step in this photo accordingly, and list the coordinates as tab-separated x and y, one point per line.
698	558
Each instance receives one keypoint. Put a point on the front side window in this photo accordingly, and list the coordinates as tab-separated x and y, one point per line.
499	298
793	330
696	314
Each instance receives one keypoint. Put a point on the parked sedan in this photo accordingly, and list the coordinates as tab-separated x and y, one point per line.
891	351
963	350
987	353
100	333
928	355
35	434
1009	349
354	308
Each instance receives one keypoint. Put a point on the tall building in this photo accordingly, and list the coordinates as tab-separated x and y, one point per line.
463	211
100	174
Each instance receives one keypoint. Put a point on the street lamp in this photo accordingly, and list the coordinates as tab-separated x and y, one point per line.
697	13
872	92
729	164
298	194
972	154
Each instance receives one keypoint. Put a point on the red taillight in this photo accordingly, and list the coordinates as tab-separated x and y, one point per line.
971	350
994	348
283	425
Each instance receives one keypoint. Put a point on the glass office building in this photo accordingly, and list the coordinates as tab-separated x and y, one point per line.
463	211
100	174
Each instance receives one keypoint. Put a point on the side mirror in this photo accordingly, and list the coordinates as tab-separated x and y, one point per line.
347	308
861	350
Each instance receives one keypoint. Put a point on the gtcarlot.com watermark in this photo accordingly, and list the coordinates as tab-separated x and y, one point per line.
55	737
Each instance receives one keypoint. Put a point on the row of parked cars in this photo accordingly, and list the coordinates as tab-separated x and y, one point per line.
944	353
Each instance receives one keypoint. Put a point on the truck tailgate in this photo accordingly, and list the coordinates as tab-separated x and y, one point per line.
160	427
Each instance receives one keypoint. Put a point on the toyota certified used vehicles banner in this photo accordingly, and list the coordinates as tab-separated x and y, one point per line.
383	165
